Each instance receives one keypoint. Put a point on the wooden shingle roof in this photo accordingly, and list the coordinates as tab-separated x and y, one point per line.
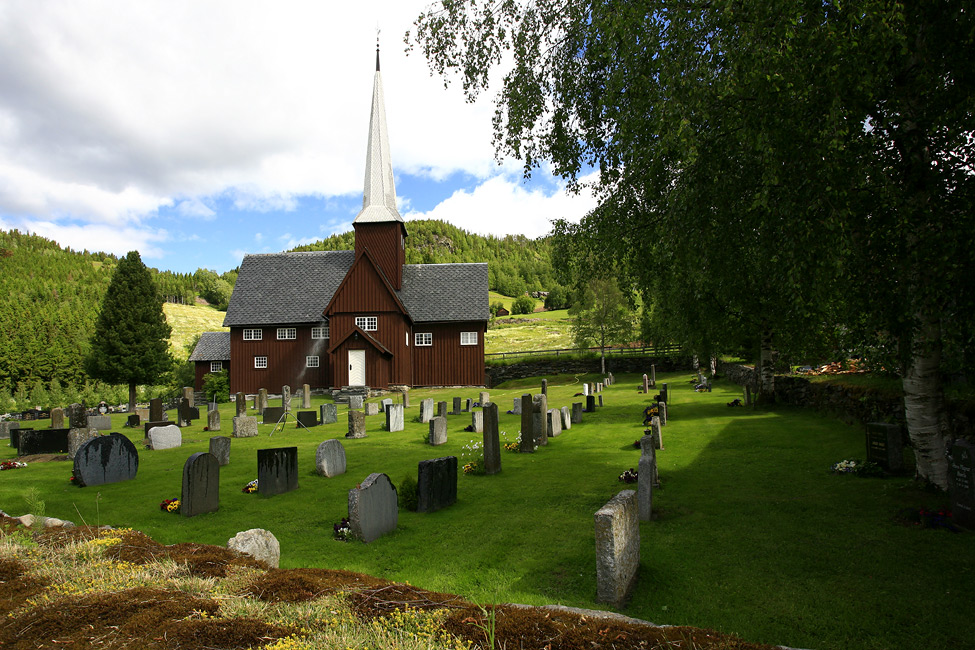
212	346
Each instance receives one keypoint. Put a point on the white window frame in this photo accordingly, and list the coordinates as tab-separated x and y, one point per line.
423	339
255	334
287	333
320	332
216	366
312	362
260	363
367	323
468	336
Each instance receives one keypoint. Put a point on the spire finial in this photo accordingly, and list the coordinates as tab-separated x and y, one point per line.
377	48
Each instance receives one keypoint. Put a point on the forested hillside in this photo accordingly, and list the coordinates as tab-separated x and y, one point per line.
515	263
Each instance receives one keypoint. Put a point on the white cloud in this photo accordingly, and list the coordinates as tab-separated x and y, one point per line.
195	208
100	237
501	206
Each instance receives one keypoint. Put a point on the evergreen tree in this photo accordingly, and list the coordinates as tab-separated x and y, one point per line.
130	344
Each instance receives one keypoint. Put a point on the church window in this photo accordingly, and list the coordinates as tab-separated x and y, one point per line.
367	323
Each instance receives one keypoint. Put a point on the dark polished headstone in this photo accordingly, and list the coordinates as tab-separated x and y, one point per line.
590	403
576	412
436	485
272	414
961	482
156	410
76	416
105	459
277	470
307	419
133	420
151	424
885	446
42	441
201	485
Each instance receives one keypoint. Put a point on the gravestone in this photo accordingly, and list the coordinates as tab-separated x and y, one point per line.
329	413
395	417
576	412
438	431
664	393
156	410
653	375
277	470
6	426
78	437
600	396
244	426
540	419
585	390
554	423
189	395
306	419
884	445
961	482
14	432
386	403
57	418
42	441
617	548
527	425
330	458
220	449
436	485
201	485
372	408
658	439
441	409
286	398
147	426
477	421
646	384
492	440
599	386
105	459
426	410
590	403
184	413
662	412
405	398
262	399
545	387
273	414
255	402
165	437
241	404
373	509
143	414
457	406
213	420
355	402
306	396
566	417
646	477
516	406
357	425
132	420
484	398
468	405
77	416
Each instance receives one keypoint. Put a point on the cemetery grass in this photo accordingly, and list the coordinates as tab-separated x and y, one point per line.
753	536
545	331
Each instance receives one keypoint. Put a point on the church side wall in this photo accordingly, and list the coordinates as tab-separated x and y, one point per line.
286	361
447	362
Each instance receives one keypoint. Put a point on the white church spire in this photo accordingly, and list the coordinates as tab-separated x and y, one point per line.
379	195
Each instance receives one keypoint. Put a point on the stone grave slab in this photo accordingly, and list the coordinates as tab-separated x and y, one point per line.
492	440
566	417
426	410
213	420
457	406
286	398
545	387
328	413
438	431
189	395
330	458
395	417
273	414
220	449
357	425
277	470
306	396
76	416
78	437
385	404
484	398
106	459
165	437
152	424
155	410
240	404
885	446
201	485
662	411
306	419
373	509
576	412
42	441
554	423
6	427
961	482
57	419
143	414
132	420
527	425
355	402
617	548
245	426
540	419
646	478
436	485
516	406
372	408
262	399
477	421
590	403
441	409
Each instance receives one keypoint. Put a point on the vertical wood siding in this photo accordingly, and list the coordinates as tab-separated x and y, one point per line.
447	362
385	244
285	361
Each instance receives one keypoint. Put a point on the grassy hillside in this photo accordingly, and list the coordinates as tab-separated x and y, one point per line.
189	320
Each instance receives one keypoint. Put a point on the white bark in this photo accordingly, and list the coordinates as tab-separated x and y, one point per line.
766	370
924	406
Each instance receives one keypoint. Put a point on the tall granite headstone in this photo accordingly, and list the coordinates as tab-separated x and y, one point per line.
262	399
441	409
590	403
554	423
156	410
277	470
662	411
617	548
330	458
306	396
566	417
240	402
457	406
201	485
189	396
213	420
395	418
373	508
426	410
329	413
357	425
286	398
57	418
436	485
540	419
576	412
516	406
77	416
492	440
477	421
484	398
653	375
646	472
527	425
220	449
438	431
545	387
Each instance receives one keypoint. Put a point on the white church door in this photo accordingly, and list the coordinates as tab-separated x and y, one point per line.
357	367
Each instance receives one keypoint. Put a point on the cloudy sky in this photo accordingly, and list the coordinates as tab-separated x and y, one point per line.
196	132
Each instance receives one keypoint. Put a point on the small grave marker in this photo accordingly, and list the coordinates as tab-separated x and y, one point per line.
245	426
220	449
438	431
357	425
884	445
306	419
330	458
329	413
436	485
201	485
373	509
395	417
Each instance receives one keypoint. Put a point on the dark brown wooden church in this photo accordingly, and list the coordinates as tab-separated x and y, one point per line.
356	318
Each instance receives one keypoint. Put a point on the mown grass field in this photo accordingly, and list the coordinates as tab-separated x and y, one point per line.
189	320
753	535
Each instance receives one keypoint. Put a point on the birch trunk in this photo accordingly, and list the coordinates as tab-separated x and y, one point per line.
766	370
924	405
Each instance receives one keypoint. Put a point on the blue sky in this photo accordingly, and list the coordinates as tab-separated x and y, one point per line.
196	132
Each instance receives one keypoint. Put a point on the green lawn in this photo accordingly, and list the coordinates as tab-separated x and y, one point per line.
753	537
190	320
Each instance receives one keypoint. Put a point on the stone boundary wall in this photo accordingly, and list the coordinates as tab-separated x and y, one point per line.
536	367
850	403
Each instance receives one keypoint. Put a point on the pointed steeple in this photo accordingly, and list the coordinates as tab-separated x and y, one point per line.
379	196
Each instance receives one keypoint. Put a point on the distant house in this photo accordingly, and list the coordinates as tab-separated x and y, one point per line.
358	318
503	312
211	354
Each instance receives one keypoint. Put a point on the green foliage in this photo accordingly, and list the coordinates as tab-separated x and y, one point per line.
558	298
130	343
216	386
523	305
406	493
601	316
495	307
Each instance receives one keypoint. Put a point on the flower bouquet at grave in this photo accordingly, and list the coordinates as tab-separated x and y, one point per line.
857	467
924	518
250	488
511	446
629	476
342	531
169	505
474	451
12	464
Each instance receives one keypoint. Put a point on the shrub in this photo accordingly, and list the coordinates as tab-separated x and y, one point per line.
406	494
216	386
523	305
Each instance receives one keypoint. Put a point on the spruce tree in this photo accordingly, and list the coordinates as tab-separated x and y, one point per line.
131	339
